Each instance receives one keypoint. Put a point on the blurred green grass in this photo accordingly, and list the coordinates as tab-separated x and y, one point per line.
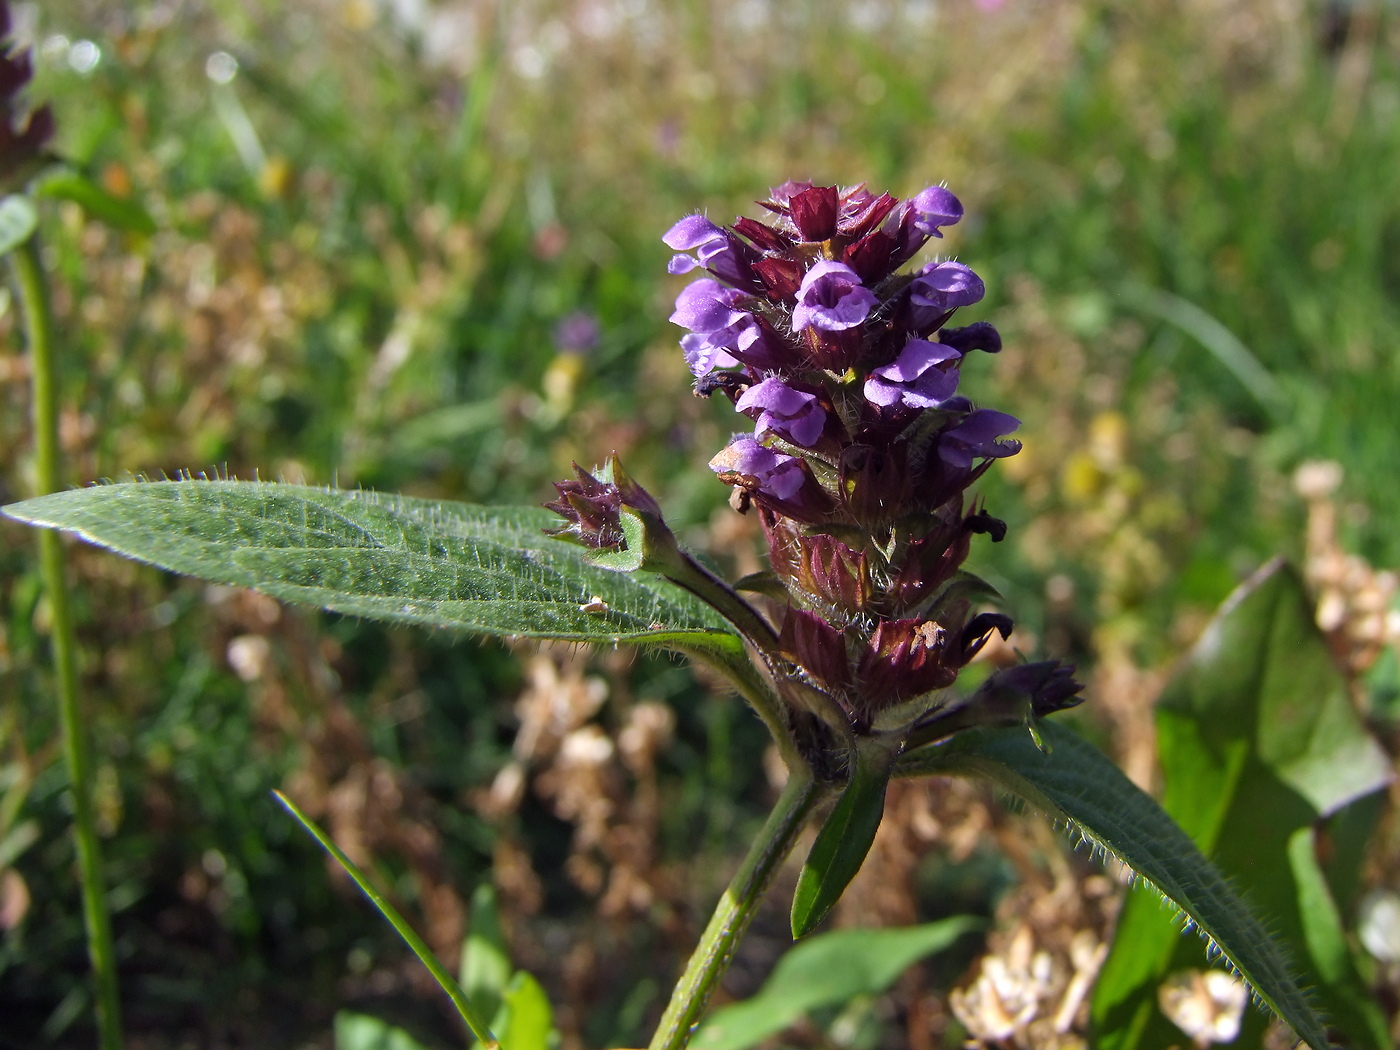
367	292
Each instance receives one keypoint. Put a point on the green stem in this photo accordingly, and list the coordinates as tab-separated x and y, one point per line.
34	297
735	909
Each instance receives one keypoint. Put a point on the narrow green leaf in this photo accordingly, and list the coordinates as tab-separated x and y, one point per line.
1076	783
826	970
17	221
526	1019
484	569
125	215
486	965
844	840
404	930
361	1032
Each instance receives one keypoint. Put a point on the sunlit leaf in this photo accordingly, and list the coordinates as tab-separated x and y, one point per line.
826	970
526	1019
1259	742
1074	782
484	569
362	1032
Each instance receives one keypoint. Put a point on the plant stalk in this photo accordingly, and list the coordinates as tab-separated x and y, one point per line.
735	909
34	300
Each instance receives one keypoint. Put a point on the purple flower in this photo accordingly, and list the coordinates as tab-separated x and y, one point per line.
945	286
789	413
775	474
577	333
976	436
717	249
914	378
706	306
722	335
832	298
935	207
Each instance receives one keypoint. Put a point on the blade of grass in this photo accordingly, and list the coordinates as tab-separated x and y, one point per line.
415	943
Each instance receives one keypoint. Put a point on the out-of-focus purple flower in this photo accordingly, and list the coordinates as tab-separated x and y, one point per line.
716	248
831	297
945	286
775	474
577	333
914	378
935	207
22	136
791	414
976	437
1049	684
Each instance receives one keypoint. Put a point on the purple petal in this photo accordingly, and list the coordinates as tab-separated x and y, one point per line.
705	306
773	395
946	286
691	232
681	264
831	297
917	357
704	355
976	436
935	207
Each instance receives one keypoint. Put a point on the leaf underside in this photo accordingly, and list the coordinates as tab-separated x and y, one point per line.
488	570
1077	784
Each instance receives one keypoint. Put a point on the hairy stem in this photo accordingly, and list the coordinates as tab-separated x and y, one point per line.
735	909
34	298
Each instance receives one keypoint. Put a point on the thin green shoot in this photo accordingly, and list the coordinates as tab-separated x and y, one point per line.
445	980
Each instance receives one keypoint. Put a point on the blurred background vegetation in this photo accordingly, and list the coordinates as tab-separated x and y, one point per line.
414	245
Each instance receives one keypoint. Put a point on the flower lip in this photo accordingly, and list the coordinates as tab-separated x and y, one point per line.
976	437
832	297
935	207
775	474
706	306
791	414
914	378
945	286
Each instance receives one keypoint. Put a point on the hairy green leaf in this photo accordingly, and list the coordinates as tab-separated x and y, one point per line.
17	221
1259	742
484	569
1076	783
826	970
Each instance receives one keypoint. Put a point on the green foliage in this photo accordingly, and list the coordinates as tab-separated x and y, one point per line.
17	221
1074	782
845	838
826	970
1259	743
361	1032
486	968
482	569
128	216
525	1020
